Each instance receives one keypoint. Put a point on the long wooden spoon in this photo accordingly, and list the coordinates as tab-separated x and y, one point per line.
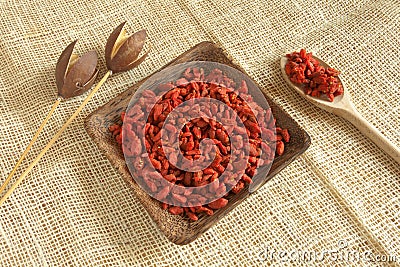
343	107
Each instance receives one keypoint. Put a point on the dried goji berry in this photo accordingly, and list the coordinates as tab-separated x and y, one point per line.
280	147
194	84
320	79
192	216
175	210
218	204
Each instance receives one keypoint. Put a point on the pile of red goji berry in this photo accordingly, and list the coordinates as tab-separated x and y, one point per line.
195	84
303	69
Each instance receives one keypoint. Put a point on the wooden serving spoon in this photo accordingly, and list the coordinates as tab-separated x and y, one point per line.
343	107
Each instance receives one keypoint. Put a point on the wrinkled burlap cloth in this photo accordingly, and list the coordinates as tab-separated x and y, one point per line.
74	208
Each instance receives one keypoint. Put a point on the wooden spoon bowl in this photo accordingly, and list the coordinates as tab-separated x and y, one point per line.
343	107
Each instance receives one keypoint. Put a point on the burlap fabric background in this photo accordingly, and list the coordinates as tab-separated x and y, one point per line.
74	209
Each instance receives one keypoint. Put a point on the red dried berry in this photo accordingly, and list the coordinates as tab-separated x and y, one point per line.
320	80
285	135
280	147
192	216
175	210
218	204
206	210
190	86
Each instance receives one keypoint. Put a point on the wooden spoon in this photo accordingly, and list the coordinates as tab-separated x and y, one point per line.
343	107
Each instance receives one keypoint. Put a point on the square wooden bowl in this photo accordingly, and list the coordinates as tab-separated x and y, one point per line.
176	228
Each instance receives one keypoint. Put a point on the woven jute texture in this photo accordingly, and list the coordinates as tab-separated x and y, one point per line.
75	210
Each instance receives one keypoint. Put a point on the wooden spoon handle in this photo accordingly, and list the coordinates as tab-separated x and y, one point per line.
352	115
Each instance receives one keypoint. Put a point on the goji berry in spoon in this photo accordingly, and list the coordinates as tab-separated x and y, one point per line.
317	80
